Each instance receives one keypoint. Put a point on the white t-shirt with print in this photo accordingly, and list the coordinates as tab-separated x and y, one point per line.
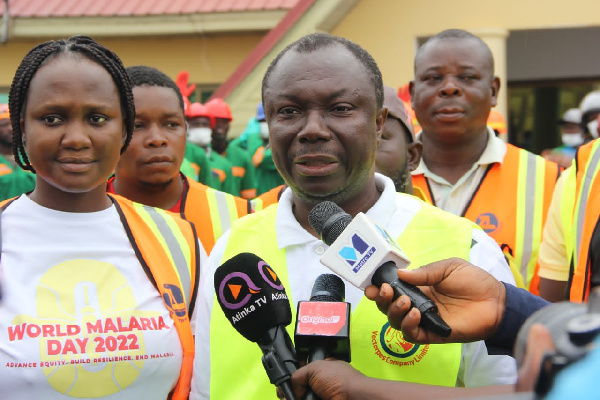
79	318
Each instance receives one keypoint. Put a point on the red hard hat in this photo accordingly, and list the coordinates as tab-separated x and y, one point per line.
217	108
196	110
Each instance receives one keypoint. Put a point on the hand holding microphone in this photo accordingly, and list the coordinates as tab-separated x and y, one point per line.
363	254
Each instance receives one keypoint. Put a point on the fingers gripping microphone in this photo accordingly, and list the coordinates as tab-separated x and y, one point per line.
323	323
254	301
364	253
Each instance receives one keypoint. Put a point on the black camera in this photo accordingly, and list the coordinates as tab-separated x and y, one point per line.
573	327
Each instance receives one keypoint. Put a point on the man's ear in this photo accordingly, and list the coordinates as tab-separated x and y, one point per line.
495	87
414	151
380	121
411	90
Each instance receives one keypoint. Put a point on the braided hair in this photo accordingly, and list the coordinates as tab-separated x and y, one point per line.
43	53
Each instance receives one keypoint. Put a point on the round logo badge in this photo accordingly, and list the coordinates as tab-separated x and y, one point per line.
488	222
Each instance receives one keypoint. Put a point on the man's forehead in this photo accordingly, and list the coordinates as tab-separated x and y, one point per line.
475	52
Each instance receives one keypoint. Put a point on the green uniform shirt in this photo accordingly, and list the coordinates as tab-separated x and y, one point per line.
244	173
199	161
221	169
13	180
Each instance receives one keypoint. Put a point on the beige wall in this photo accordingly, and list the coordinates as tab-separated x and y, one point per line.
388	29
209	59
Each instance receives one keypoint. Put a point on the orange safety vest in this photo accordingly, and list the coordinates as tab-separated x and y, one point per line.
167	248
586	214
266	199
510	205
212	211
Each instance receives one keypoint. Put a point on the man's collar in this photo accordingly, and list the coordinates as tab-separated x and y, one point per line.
290	232
494	152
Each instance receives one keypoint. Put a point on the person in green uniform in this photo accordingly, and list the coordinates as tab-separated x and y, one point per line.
13	180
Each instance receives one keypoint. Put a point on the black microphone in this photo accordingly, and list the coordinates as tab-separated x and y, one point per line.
255	303
323	323
363	252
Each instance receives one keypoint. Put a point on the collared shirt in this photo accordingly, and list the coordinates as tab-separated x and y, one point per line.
303	251
454	198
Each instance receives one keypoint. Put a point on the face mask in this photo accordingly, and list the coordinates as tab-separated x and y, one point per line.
572	139
264	130
199	136
593	128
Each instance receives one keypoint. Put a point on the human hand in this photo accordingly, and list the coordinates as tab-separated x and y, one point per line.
328	379
539	343
469	299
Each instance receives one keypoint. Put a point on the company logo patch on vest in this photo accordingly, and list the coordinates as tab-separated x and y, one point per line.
357	255
488	222
391	347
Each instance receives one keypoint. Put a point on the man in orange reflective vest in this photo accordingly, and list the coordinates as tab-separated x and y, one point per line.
148	171
465	168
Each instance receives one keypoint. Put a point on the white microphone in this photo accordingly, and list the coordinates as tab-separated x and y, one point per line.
364	254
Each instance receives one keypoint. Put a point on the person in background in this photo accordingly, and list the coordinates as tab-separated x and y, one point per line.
572	136
13	180
195	156
398	152
243	171
464	165
267	176
98	274
148	172
324	129
590	110
200	121
497	122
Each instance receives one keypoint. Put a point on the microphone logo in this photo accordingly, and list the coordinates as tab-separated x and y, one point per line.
236	290
357	255
319	319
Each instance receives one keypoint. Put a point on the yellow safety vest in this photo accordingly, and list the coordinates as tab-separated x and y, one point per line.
377	350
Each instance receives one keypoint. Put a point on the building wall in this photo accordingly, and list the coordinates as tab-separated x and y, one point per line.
209	59
389	29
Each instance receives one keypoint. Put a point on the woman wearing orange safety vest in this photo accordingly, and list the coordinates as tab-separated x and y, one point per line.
97	291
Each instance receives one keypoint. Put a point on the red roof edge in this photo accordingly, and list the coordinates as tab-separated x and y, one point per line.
262	49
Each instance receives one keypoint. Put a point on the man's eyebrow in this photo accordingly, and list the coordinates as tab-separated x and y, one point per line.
332	96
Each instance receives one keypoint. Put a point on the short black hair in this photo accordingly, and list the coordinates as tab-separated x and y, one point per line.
41	54
455	34
316	41
142	75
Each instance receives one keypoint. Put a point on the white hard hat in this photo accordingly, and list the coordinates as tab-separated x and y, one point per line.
591	102
572	116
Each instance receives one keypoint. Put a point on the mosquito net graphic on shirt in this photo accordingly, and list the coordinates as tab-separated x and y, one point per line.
89	330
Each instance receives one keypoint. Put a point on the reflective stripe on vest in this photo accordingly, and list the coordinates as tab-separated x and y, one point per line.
211	211
166	246
266	199
515	217
428	240
586	212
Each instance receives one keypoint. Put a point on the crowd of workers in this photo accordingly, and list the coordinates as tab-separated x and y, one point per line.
104	293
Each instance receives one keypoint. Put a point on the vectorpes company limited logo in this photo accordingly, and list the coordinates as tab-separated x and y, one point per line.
358	254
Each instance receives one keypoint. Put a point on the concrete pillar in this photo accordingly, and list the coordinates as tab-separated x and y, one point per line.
495	38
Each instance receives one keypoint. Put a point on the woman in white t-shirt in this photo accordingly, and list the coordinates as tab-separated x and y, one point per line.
83	312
